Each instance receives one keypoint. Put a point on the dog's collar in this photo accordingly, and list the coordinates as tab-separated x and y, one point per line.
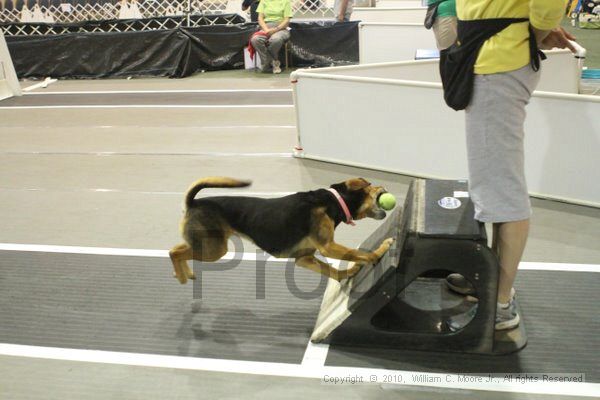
343	205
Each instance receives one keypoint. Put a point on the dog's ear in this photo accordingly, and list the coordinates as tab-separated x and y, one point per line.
357	184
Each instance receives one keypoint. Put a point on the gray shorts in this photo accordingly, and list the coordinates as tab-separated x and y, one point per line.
444	30
495	135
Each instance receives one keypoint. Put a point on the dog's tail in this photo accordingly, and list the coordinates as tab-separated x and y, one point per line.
212	182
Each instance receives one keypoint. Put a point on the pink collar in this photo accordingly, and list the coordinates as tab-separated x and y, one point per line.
343	205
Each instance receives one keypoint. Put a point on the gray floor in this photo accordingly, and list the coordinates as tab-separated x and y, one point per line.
59	185
248	97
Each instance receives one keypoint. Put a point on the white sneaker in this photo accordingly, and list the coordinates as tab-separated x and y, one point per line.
276	66
507	317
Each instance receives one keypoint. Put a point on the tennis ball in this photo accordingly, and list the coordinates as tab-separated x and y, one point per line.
387	201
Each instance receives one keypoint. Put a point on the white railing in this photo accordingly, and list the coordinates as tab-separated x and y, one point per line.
45	11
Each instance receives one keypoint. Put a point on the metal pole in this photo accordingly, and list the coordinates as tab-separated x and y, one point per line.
188	12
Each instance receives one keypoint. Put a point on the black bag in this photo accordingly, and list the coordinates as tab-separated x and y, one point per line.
457	63
431	15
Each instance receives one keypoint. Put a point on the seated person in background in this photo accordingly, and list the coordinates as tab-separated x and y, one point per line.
273	18
444	22
342	10
252	5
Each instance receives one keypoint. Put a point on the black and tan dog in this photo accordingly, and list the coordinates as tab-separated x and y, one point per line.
294	226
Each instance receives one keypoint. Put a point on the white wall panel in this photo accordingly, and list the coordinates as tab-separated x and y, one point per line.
403	126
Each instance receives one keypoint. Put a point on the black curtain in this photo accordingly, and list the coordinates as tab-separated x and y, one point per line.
174	52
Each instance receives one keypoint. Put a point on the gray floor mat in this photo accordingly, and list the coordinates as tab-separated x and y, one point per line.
132	304
164	98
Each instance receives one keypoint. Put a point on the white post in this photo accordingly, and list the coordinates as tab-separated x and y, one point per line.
188	11
9	83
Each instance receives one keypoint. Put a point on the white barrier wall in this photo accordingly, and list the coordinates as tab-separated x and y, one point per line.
404	126
9	83
561	71
421	70
389	42
401	14
384	42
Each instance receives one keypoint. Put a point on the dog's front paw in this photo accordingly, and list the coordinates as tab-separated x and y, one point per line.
388	242
385	246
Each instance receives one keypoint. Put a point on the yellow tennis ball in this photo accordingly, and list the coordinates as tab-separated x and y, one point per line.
387	201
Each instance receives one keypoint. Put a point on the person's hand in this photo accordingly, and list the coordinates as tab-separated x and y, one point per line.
340	18
556	38
270	31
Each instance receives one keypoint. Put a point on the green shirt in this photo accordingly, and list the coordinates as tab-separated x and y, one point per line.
275	10
447	8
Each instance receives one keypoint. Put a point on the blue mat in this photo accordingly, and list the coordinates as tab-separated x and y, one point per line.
591	74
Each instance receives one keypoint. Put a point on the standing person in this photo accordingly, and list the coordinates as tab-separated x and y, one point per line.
252	5
273	19
504	57
441	16
342	9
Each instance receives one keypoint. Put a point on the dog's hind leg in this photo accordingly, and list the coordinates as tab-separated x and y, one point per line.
180	254
210	249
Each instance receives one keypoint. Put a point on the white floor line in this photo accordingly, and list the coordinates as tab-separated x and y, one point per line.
324	373
315	354
213	192
531	266
149	106
118	251
43	84
566	267
112	251
162	91
166	127
115	153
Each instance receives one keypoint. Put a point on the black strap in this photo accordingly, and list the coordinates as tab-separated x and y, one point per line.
431	15
535	54
457	63
476	32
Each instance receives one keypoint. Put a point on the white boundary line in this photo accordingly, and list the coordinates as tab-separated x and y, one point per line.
159	91
214	192
125	153
111	251
150	106
371	375
530	266
538	266
197	127
315	354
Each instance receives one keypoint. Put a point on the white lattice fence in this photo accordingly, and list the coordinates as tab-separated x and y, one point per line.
45	11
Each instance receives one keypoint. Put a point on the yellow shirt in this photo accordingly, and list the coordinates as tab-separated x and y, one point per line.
275	10
509	49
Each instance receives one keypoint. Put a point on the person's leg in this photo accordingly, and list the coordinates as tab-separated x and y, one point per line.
494	127
510	239
260	45
275	42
